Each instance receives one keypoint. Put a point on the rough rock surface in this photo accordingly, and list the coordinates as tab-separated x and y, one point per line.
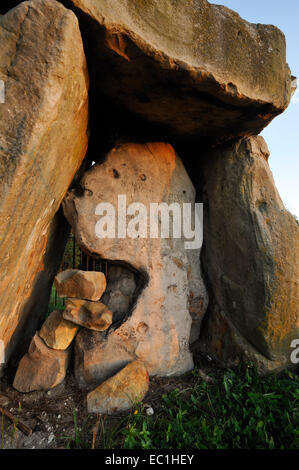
119	296
251	258
92	315
158	329
96	359
56	332
121	392
41	368
196	68
121	292
88	285
42	53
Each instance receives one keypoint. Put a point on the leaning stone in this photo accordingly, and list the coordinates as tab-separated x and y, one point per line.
43	140
57	332
89	285
121	392
41	368
251	259
91	315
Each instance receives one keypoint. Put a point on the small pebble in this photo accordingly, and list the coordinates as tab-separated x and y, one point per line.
149	411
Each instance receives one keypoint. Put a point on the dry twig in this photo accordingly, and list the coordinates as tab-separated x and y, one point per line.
95	431
16	422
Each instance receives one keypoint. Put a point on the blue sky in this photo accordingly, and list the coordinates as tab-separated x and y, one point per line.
282	134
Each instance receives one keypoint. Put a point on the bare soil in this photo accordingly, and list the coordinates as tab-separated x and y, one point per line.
52	414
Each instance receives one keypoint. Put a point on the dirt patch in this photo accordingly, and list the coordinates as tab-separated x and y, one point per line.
59	417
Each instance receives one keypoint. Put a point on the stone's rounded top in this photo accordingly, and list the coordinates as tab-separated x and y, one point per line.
258	147
202	69
117	182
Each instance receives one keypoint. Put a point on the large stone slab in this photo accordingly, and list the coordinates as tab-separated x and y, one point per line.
89	285
251	259
121	392
43	141
41	368
157	330
197	69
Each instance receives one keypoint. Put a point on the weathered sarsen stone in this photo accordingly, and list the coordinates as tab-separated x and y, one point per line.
196	68
121	392
88	285
157	331
41	368
251	258
43	141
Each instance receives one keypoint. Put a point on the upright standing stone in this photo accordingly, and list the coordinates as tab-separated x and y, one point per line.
43	141
251	259
158	329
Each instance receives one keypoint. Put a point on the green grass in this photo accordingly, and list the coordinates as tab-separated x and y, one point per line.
239	411
55	303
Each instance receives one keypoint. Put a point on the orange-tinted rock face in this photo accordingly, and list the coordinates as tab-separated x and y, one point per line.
197	69
92	315
41	368
251	255
158	329
43	125
56	332
88	285
121	392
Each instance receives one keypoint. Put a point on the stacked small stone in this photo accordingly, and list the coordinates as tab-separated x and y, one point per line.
46	362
